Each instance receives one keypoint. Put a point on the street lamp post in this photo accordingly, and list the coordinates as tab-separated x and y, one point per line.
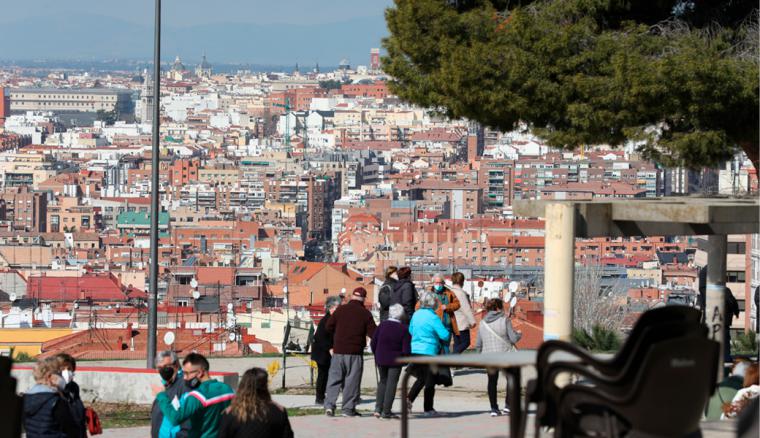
286	335
154	192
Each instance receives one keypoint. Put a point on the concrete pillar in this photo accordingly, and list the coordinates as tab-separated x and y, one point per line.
559	271
715	294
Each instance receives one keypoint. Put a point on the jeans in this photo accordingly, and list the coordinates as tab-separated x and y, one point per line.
345	370
386	389
426	379
322	372
462	341
493	380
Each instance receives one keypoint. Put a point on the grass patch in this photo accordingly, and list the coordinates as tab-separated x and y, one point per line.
118	415
302	412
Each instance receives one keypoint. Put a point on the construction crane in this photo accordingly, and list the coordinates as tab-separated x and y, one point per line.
287	109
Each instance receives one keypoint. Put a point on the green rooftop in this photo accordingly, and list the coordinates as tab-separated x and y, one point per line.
138	219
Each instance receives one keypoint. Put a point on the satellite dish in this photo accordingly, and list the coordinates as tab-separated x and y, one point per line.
513	286
12	297
169	338
230	307
196	294
513	302
232	337
193	283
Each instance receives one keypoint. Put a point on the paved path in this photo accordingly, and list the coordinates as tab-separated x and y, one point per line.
461	415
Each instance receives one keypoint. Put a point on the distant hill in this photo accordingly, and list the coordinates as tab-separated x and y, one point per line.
95	37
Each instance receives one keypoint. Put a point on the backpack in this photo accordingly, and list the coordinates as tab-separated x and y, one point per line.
93	422
386	290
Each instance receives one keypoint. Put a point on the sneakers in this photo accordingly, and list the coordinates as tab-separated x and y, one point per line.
430	413
319	401
330	412
350	414
376	414
389	417
495	413
505	411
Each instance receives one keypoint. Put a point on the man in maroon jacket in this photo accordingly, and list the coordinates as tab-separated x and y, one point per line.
351	324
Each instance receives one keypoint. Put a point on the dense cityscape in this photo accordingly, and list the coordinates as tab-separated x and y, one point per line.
279	189
449	218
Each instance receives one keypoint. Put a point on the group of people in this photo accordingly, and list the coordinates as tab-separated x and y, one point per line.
438	321
188	404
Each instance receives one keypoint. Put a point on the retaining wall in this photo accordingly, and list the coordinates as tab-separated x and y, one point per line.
113	384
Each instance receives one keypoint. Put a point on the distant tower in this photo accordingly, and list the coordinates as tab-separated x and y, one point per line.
5	105
177	71
296	71
374	59
177	65
146	99
204	70
316	69
344	67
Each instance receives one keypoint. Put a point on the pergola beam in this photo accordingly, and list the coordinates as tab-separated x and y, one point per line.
655	217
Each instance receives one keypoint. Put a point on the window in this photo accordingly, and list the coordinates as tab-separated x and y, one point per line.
735	277
736	248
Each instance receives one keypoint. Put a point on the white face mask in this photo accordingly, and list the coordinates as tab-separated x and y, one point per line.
394	276
60	383
67	375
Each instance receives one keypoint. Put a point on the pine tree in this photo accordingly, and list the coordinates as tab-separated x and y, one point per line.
679	76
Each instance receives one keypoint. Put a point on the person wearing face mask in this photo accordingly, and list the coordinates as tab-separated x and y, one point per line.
167	365
46	413
203	404
68	366
447	305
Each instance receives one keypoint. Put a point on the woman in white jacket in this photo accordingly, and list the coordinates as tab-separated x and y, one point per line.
464	315
496	335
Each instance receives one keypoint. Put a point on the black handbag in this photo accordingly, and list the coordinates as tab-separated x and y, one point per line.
443	377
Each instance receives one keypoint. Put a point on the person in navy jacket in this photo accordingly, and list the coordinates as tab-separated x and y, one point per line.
390	341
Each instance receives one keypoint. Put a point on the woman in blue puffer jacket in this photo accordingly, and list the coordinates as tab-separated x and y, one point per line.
429	335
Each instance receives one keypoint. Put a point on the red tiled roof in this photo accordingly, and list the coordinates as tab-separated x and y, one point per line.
98	287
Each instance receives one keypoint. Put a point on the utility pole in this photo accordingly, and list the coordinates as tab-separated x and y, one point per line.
153	296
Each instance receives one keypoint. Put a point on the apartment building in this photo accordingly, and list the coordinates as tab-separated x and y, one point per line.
71	100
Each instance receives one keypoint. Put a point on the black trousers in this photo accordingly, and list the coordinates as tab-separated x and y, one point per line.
493	380
461	341
386	389
322	372
425	379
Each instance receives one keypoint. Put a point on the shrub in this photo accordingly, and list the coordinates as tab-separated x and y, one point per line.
599	340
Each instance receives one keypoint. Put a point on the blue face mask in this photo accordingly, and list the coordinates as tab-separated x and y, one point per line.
438	288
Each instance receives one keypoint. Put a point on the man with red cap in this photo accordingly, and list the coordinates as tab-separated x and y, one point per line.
351	324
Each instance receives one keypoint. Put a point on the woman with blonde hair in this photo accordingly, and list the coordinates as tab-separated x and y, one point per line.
46	412
252	412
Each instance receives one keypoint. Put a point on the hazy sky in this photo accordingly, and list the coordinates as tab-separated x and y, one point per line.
199	12
254	31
